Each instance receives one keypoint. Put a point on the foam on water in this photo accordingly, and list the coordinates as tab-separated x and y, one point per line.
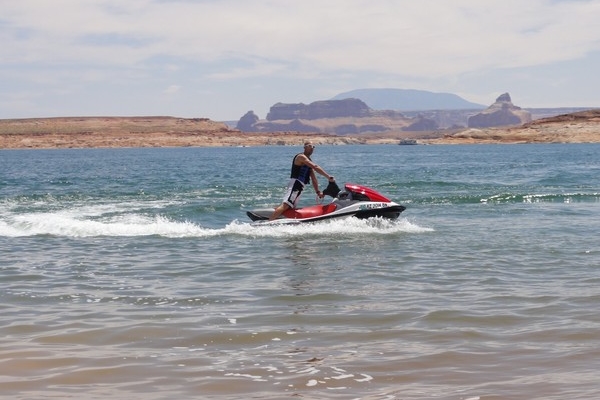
60	224
70	224
24	217
542	198
336	227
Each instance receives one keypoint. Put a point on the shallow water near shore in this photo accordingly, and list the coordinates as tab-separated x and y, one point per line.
132	273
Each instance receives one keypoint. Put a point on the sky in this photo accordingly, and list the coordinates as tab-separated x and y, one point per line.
219	59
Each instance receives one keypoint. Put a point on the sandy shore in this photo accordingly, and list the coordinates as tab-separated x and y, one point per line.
581	127
111	132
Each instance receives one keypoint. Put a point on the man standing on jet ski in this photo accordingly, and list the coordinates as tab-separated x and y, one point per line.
303	171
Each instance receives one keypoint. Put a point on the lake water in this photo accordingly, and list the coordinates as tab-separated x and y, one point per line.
135	273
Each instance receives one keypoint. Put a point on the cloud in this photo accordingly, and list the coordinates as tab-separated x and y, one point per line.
425	37
172	89
326	45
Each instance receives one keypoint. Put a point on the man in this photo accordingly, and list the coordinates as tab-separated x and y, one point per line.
303	171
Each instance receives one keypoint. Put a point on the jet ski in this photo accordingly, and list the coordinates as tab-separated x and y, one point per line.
354	201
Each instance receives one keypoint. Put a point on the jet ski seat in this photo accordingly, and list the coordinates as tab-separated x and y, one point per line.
310	212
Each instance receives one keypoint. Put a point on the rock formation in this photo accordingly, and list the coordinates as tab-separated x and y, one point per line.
501	113
319	109
247	122
348	116
294	125
422	124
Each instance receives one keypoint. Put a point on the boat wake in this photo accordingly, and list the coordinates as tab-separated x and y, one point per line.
330	228
62	224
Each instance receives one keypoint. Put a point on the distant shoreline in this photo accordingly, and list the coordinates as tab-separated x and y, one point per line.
158	131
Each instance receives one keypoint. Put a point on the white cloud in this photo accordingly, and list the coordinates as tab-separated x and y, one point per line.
172	89
429	36
346	44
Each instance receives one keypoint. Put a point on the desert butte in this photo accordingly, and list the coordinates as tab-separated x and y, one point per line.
113	132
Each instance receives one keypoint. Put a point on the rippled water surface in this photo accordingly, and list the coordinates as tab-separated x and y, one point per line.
134	273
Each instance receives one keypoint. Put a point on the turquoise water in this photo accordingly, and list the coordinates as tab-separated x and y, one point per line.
134	273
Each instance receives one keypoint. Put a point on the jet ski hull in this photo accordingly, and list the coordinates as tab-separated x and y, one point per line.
355	201
391	211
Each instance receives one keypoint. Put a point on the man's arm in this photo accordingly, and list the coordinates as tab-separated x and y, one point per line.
315	183
303	160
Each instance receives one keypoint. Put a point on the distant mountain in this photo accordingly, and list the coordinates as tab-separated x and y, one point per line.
409	100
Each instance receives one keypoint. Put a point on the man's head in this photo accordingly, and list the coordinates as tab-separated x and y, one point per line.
308	147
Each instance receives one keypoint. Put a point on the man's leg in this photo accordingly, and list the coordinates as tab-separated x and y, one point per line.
291	198
279	210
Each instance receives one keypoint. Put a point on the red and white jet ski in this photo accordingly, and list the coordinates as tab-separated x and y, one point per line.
354	201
